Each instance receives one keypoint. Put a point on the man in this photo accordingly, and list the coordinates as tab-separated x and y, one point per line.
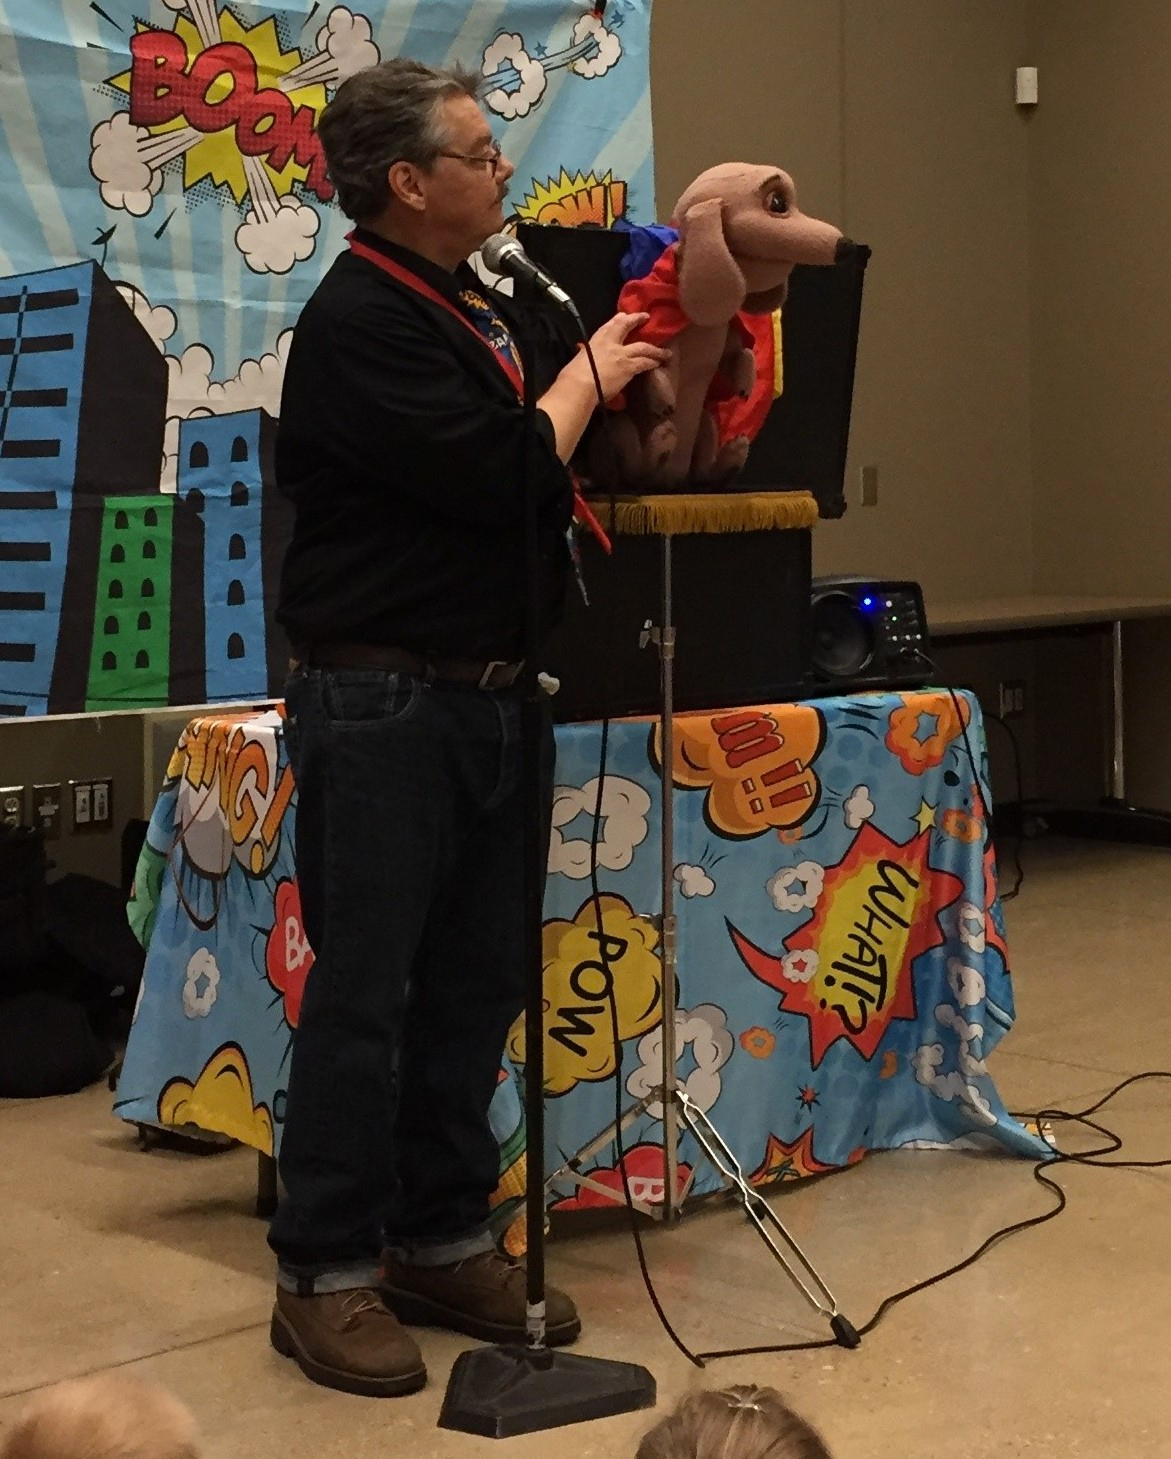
400	435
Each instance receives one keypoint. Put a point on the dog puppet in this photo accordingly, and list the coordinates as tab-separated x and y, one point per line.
740	235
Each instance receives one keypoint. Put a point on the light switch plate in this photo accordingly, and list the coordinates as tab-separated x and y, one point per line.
46	809
80	792
12	805
101	802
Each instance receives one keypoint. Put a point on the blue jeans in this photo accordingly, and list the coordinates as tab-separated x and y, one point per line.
410	835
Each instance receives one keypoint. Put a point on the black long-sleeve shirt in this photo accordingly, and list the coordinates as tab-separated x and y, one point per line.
399	444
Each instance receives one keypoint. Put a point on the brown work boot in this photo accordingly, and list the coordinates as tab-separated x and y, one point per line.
347	1340
483	1296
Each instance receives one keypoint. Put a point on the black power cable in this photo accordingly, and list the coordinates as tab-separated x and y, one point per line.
1018	867
612	999
604	959
1018	841
1093	1158
931	666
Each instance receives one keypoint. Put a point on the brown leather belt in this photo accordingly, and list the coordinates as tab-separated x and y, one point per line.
477	673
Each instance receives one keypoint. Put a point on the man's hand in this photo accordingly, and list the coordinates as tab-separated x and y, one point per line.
571	399
619	358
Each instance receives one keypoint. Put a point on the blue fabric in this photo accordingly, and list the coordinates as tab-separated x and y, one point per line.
813	1025
646	243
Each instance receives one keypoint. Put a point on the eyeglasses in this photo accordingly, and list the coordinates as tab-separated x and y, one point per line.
492	158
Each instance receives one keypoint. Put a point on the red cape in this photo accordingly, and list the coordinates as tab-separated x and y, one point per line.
657	294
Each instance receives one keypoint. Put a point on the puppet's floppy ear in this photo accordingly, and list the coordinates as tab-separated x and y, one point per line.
711	286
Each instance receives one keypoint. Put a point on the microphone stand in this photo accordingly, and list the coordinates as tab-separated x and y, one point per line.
510	1389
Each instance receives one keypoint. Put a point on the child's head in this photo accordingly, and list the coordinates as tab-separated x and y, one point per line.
740	1422
109	1416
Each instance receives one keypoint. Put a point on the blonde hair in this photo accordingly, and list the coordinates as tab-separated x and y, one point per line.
110	1416
741	1422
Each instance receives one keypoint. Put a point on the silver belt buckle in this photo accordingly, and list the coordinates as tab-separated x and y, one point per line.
489	670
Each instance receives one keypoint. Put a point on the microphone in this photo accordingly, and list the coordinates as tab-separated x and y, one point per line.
504	255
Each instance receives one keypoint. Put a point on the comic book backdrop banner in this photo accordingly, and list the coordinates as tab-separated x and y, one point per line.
164	215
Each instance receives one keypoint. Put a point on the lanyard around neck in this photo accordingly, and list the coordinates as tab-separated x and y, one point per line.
420	286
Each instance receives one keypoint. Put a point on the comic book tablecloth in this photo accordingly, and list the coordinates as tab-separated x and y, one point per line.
842	967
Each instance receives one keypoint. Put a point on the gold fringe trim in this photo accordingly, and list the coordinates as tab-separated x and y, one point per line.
683	515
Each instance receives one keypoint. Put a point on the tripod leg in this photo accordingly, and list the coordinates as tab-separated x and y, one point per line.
571	1169
800	1270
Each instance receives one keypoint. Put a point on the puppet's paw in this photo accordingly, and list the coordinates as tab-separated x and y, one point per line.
660	447
730	459
658	394
742	373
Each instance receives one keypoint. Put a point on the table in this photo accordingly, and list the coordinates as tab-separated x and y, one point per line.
842	962
1033	613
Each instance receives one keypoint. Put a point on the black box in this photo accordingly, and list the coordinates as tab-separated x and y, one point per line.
741	609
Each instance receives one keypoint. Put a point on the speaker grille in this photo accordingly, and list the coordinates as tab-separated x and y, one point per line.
867	633
843	640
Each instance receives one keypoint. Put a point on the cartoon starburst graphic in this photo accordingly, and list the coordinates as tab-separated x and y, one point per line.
216	154
569	201
788	1160
879	910
807	1097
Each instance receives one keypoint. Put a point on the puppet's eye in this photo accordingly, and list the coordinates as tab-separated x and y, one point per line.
778	203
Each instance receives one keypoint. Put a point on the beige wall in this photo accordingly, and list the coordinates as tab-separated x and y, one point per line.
1101	218
1101	319
746	80
936	182
896	119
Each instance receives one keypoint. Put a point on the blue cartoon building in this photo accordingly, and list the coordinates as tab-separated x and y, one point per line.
225	473
81	418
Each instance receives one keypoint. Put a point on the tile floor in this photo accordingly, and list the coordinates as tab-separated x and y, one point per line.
1057	1343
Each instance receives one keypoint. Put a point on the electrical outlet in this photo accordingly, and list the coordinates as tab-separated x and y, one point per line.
47	809
102	801
12	805
869	483
81	792
1012	698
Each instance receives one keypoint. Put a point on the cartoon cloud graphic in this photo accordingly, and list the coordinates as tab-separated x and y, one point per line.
757	771
578	980
220	1100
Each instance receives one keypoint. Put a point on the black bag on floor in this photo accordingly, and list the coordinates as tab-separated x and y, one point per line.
48	1046
23	916
69	970
88	926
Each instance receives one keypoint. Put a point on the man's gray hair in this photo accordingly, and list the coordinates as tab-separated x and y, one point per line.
386	114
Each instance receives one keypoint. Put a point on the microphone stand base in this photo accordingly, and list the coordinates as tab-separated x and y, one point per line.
499	1392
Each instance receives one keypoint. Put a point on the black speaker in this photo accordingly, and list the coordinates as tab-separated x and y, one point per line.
866	633
741	613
